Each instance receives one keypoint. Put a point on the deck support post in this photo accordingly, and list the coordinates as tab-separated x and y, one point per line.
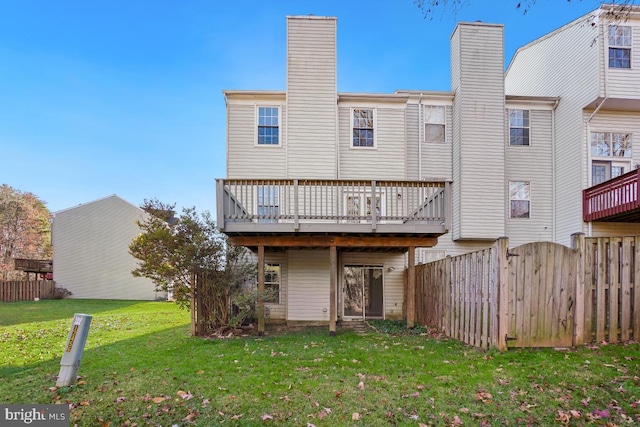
411	288
260	305
333	285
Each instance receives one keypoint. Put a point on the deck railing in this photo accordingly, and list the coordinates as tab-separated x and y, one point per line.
350	202
33	265
614	197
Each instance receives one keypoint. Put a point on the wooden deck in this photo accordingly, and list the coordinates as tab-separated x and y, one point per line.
615	200
340	209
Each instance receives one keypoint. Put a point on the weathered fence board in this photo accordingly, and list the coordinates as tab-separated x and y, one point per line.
538	294
12	291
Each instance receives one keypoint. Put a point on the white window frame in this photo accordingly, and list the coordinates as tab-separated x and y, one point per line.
608	160
442	123
351	128
526	124
363	198
511	199
619	42
257	125
270	283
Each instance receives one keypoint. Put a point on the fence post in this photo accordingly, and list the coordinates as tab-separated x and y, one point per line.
500	299
411	288
577	244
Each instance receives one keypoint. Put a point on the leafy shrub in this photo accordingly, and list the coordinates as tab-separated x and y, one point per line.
396	327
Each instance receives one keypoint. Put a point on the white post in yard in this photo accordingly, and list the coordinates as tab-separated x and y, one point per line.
73	350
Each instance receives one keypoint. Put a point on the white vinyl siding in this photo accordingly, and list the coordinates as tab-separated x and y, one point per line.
245	159
436	158
565	64
533	164
387	161
91	251
308	296
479	156
311	97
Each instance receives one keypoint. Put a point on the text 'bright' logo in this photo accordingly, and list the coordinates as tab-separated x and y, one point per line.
37	415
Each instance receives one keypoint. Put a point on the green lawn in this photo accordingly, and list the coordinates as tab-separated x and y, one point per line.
141	367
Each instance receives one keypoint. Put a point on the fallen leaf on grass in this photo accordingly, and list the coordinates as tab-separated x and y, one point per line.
361	385
483	396
158	399
456	421
236	417
266	417
192	416
200	372
355	416
184	395
119	399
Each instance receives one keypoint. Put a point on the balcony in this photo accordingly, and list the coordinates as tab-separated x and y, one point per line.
33	265
616	200
316	209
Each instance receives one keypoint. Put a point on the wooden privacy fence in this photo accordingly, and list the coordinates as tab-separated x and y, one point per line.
536	295
13	291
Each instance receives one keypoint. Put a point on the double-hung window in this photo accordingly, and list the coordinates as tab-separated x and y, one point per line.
610	155
619	46
519	199
518	127
272	283
363	127
268	125
434	123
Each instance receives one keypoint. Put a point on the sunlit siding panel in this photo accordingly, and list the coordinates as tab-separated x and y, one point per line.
91	251
393	281
308	285
534	164
279	311
245	159
606	229
311	97
479	109
384	162
563	64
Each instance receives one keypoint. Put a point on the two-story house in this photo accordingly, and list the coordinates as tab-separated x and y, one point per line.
338	192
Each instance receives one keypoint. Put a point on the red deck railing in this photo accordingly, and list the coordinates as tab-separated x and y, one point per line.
611	198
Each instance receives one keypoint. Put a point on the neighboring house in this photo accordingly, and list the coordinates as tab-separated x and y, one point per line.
333	189
91	250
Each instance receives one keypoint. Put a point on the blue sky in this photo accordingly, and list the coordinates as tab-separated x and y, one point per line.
111	96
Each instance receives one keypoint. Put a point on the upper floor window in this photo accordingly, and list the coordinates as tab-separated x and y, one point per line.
272	283
519	199
518	127
268	203
619	46
362	125
268	126
610	144
434	123
611	154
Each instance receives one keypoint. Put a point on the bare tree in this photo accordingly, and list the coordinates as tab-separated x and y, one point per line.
430	7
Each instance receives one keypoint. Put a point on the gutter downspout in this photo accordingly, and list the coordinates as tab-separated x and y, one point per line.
589	177
604	100
553	173
420	137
